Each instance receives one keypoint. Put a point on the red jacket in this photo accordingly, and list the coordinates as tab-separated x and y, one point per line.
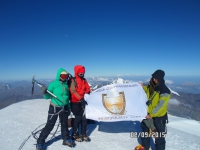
79	88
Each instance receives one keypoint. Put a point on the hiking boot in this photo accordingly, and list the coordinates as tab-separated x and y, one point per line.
139	147
86	138
77	138
69	143
39	146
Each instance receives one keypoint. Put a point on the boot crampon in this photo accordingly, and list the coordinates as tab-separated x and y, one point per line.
139	147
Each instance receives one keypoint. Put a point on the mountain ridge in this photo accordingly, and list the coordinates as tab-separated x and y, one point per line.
188	103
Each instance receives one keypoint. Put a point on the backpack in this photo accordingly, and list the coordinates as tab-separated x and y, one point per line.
69	81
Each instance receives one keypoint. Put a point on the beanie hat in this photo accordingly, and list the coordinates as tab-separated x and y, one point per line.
81	70
159	74
64	72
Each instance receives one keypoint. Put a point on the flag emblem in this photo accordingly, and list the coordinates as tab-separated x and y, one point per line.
114	102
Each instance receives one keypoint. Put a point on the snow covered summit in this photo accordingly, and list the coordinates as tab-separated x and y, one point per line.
20	119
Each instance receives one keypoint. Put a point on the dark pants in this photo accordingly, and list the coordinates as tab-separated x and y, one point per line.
160	125
51	120
78	111
79	120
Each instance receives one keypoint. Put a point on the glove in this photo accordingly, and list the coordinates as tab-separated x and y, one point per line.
71	115
44	89
148	102
83	102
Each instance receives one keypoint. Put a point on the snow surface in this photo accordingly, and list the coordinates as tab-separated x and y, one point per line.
20	119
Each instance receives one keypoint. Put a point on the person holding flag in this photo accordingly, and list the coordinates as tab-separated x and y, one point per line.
78	88
158	95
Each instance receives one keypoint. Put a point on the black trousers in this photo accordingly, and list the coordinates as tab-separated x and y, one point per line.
160	124
79	119
51	120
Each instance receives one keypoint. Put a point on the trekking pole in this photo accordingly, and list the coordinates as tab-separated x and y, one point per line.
40	85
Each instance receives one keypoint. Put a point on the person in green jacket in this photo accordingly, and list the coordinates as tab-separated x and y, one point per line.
59	106
158	96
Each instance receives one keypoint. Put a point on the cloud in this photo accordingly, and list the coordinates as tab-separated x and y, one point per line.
102	79
169	82
119	75
147	80
166	81
189	83
178	87
174	102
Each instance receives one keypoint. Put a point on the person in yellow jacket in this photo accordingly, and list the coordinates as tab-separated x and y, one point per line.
158	97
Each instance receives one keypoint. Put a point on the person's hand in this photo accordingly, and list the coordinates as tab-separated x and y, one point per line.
141	84
44	89
83	102
148	116
70	115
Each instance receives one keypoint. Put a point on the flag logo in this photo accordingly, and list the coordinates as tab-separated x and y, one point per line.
114	102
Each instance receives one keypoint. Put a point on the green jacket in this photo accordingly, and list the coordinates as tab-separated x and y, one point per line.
60	89
159	100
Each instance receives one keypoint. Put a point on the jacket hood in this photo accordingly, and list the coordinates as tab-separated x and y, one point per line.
159	74
76	68
59	72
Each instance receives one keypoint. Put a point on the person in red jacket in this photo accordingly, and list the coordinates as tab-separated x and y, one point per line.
78	87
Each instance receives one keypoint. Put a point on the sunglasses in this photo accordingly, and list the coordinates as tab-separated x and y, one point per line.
64	76
81	74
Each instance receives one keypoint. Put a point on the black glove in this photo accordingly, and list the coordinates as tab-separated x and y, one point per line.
148	102
83	102
44	89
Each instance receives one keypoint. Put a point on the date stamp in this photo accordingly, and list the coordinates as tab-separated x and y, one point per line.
147	134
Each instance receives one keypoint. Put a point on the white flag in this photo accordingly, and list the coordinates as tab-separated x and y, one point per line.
117	102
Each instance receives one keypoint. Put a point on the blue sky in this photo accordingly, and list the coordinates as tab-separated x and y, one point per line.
108	37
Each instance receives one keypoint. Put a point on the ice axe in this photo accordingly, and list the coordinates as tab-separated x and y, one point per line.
40	85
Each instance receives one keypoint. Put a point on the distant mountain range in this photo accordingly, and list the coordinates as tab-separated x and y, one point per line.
14	92
186	105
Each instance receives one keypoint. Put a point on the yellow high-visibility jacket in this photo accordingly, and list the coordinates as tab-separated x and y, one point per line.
159	100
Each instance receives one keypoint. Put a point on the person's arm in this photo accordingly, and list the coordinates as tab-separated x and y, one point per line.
87	90
144	86
146	89
69	105
73	90
68	93
50	89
